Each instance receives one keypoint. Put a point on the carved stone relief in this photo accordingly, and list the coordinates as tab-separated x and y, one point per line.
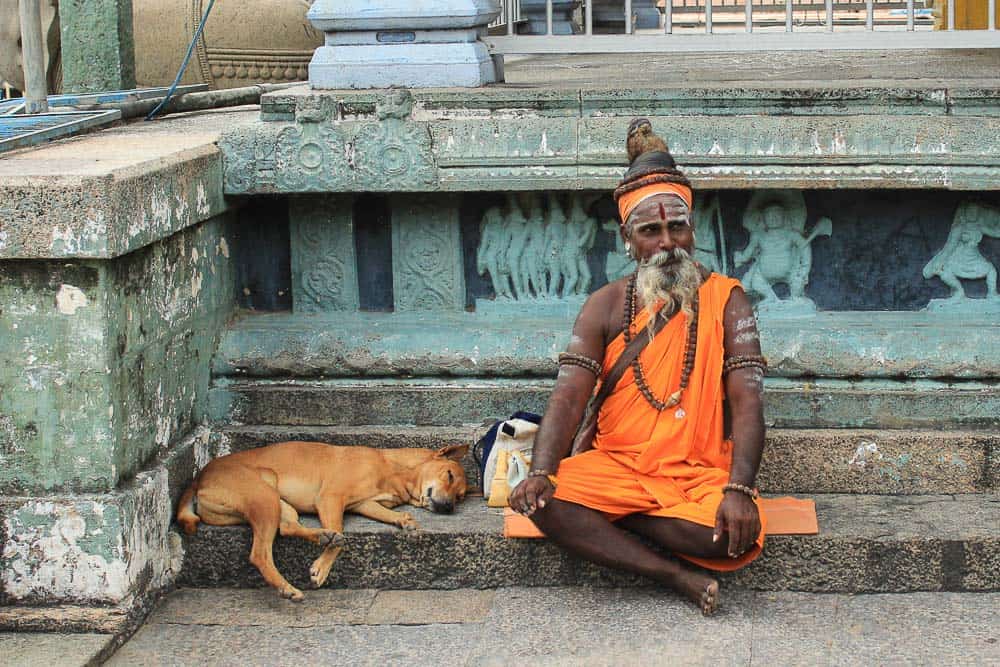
427	254
305	155
393	153
324	267
710	241
779	250
541	257
961	259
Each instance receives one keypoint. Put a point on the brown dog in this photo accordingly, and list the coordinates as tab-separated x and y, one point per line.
269	486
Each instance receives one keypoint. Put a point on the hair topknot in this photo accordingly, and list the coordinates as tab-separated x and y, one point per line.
649	159
641	139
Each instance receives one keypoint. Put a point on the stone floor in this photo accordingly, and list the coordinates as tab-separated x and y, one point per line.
542	626
819	69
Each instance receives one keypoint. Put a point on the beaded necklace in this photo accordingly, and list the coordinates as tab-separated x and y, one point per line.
690	349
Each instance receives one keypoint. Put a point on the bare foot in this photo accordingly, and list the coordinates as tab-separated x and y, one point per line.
700	589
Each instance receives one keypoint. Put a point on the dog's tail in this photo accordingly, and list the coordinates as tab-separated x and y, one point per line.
186	515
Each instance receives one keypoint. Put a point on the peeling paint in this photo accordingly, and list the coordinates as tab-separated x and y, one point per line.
69	299
867	452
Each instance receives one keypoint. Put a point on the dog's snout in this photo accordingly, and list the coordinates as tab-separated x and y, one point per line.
443	507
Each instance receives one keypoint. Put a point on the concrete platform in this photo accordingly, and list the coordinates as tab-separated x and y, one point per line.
795	460
866	544
564	626
440	402
54	650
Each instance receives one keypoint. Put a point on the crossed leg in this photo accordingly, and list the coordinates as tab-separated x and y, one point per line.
590	535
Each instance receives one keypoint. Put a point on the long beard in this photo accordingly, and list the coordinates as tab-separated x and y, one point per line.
670	276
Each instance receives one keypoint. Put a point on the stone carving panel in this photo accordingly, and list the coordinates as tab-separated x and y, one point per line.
961	259
539	257
779	250
309	156
427	254
710	239
324	268
394	154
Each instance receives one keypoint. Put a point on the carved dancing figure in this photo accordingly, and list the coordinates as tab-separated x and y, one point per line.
779	250
533	259
619	262
960	257
518	226
494	242
582	230
555	238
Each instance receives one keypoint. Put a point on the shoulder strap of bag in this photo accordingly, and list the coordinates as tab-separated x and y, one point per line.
625	359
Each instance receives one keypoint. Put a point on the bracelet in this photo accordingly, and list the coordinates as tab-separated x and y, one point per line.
539	473
743	361
571	359
742	488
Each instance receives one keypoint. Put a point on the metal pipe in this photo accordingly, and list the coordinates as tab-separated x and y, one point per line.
510	16
209	99
909	15
829	15
788	15
548	17
668	16
869	14
33	58
589	18
951	15
708	16
992	9
628	17
748	4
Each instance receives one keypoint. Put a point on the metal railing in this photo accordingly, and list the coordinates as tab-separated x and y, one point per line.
748	25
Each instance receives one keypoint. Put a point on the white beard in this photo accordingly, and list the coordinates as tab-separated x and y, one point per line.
670	276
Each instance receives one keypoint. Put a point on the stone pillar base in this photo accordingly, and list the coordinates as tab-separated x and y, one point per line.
420	65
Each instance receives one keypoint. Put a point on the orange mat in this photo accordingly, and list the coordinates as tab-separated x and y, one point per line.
785	516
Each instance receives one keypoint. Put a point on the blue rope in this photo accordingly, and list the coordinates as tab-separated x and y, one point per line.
187	58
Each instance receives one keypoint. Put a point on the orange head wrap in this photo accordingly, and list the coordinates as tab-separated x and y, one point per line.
628	201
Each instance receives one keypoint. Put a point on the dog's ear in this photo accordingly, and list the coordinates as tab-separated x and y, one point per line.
453	452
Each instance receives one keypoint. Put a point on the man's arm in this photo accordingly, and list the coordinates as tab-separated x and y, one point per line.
574	387
744	392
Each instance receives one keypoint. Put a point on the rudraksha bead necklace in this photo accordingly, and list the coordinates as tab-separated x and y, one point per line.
690	349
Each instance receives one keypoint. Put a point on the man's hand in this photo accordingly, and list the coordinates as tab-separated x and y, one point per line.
739	517
531	494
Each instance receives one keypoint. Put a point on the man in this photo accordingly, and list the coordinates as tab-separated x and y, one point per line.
661	465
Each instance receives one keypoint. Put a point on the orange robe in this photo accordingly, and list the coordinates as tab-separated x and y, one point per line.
672	463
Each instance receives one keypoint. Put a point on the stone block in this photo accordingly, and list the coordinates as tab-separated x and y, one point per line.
109	359
427	255
98	45
324	266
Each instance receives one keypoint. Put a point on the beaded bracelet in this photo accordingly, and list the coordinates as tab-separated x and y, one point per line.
539	473
742	488
743	361
571	359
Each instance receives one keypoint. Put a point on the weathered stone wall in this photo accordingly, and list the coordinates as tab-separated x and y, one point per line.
107	359
101	401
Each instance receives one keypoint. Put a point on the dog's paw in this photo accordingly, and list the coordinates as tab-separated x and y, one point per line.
293	594
407	522
318	573
331	538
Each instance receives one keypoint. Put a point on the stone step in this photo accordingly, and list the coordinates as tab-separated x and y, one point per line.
795	460
920	404
866	544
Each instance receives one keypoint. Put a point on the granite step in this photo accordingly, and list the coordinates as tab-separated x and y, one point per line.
795	460
870	404
867	543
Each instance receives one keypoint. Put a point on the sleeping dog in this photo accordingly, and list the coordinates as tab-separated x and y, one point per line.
269	486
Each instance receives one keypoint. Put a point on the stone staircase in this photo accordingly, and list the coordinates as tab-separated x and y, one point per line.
902	506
